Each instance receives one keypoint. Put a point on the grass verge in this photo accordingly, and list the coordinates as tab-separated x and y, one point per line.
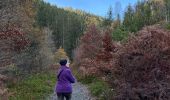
97	87
34	87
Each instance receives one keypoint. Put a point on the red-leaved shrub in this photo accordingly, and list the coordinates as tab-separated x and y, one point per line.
86	52
142	69
104	58
94	56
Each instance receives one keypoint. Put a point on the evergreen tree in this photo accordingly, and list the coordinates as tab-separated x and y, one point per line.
109	18
129	21
167	8
67	25
145	13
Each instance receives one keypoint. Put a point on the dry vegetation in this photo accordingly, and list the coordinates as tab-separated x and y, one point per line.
138	69
142	66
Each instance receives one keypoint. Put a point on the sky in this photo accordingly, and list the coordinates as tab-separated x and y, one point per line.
97	7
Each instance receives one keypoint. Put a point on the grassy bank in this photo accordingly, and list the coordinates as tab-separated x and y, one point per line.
97	87
34	87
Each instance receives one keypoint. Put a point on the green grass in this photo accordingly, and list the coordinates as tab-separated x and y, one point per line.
96	86
87	79
167	26
34	87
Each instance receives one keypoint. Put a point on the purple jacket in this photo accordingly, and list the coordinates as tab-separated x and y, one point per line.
64	81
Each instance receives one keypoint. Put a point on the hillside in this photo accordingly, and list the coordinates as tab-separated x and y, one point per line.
67	25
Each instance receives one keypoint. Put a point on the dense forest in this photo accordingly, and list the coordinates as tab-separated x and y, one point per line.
67	25
129	55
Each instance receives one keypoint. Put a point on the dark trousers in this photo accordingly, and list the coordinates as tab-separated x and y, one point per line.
61	96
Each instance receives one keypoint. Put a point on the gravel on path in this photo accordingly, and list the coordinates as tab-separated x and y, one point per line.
80	92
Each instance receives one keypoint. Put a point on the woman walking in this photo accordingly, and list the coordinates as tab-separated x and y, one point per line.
65	78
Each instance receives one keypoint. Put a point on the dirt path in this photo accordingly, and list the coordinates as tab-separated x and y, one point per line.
80	92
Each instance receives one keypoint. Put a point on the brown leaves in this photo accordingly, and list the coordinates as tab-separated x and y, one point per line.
144	64
15	38
95	53
12	41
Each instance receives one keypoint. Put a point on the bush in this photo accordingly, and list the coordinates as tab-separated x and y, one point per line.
94	54
142	67
12	41
86	52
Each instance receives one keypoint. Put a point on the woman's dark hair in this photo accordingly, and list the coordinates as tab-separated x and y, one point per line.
63	62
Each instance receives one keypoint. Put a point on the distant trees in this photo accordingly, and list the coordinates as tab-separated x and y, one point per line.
144	13
129	19
67	24
13	38
60	54
21	38
167	10
109	18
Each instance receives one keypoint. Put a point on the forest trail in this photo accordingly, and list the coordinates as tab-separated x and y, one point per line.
80	92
